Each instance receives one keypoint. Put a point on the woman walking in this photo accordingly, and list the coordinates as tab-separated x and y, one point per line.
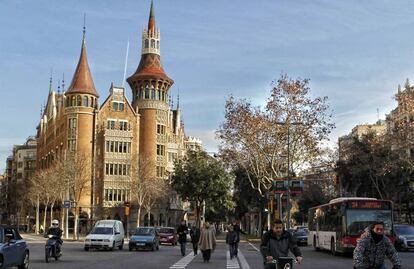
207	241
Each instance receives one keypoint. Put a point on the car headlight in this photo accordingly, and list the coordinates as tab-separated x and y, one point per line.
107	240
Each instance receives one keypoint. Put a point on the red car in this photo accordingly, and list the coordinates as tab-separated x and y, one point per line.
168	235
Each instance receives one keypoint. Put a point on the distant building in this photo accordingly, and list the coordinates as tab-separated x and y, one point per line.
379	129
117	134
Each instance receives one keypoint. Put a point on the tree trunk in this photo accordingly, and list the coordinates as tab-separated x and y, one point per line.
62	218
44	218
51	213
149	217
75	226
37	214
139	216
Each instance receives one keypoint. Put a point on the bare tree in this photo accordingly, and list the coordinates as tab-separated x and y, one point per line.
145	186
75	171
37	187
156	190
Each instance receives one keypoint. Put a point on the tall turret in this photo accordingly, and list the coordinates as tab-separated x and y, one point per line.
150	86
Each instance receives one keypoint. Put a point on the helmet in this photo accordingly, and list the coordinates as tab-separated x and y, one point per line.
55	223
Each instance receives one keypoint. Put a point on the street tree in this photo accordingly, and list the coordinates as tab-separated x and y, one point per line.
289	129
37	186
76	174
156	189
199	179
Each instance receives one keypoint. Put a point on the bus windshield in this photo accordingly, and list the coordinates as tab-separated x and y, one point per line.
359	219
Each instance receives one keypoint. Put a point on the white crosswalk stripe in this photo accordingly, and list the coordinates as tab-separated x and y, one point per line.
231	263
243	261
183	262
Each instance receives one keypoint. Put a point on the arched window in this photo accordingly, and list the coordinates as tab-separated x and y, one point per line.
73	101
158	94
78	100
153	43
146	43
153	94
85	101
67	102
146	92
158	44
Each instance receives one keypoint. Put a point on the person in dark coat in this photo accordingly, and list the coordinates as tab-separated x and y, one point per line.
195	236
276	243
231	240
182	236
238	231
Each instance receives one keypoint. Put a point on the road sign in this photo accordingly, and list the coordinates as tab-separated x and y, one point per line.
66	204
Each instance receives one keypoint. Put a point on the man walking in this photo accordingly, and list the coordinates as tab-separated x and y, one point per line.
195	236
372	248
238	231
182	236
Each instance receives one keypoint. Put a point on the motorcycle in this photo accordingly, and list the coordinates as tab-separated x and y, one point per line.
51	248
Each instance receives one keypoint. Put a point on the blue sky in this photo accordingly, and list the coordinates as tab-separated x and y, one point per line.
355	52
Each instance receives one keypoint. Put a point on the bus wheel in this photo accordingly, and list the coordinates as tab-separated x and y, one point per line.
333	250
314	243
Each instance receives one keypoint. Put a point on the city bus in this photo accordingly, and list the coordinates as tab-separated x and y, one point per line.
336	226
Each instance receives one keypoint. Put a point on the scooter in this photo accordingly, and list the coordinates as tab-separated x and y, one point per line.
51	248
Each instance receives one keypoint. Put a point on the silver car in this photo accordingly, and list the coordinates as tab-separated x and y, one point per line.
405	237
13	249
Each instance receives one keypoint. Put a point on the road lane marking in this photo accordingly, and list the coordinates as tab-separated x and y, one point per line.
183	262
253	246
231	263
242	259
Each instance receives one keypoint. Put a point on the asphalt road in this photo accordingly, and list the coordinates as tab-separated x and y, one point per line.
74	257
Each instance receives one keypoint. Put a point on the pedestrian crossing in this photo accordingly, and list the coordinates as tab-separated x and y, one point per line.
183	262
231	263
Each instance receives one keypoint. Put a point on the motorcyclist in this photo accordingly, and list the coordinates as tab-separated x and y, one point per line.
276	243
373	247
57	232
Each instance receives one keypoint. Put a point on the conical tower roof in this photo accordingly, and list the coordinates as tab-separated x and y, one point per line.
82	81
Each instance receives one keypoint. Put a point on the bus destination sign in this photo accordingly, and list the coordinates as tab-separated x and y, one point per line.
369	204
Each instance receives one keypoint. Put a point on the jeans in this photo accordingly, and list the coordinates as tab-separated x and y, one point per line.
195	248
182	246
232	250
236	248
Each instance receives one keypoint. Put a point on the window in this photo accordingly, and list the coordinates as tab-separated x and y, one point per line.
85	101
72	144
160	150
123	125
117	106
153	94
160	129
73	101
110	124
78	100
159	95
146	43
160	171
153	43
146	93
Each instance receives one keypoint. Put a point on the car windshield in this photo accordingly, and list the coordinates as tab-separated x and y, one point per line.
301	233
166	230
144	231
404	230
102	230
359	219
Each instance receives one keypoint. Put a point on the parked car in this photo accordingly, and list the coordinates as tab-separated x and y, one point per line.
145	238
301	236
107	234
13	249
168	235
405	237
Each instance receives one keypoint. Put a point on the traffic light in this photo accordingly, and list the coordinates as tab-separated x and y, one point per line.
126	208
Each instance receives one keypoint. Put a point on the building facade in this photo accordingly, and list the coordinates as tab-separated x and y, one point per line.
117	135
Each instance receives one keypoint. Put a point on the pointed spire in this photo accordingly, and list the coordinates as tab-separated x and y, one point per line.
50	80
151	20
63	83
399	88
82	81
407	84
178	99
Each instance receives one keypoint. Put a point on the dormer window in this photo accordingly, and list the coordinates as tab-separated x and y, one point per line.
117	106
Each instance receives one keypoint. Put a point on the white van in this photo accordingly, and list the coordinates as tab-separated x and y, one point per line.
107	234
